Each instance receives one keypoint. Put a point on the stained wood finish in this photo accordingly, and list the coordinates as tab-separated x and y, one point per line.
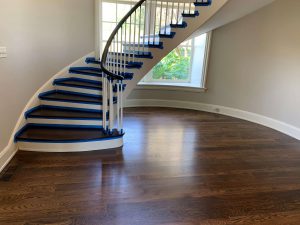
59	95
177	167
79	83
46	133
49	112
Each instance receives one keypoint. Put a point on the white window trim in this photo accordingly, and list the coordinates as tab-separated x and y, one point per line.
182	86
168	87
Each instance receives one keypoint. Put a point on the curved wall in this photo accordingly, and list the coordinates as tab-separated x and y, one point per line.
41	37
254	66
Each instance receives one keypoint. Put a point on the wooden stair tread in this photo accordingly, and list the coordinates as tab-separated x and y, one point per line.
63	134
48	112
87	71
63	96
79	83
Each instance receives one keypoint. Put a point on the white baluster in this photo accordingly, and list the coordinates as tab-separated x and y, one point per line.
111	106
104	101
178	13
161	11
166	17
150	19
145	22
139	31
154	24
118	104
121	107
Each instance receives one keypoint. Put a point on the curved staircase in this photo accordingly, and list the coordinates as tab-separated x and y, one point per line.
84	110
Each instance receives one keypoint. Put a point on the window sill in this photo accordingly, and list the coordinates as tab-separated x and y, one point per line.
170	87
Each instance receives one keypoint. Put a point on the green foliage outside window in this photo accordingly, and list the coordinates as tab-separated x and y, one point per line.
175	66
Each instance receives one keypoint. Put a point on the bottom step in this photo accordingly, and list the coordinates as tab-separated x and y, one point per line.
60	139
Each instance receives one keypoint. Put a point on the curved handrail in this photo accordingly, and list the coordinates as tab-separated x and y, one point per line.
109	42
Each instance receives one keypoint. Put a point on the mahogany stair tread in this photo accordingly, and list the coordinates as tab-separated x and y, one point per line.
80	83
69	97
179	25
62	113
86	71
90	71
40	133
199	3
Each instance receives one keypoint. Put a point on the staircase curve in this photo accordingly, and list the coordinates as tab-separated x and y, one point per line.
83	111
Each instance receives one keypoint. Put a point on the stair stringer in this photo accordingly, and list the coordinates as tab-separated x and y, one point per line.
193	24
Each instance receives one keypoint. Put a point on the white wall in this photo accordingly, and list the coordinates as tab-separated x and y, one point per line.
254	65
42	37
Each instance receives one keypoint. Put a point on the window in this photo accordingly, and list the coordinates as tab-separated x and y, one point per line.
185	66
112	12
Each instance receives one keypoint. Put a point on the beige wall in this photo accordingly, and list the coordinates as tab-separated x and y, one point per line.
42	37
254	65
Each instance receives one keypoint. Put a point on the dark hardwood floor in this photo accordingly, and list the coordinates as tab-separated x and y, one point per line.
177	167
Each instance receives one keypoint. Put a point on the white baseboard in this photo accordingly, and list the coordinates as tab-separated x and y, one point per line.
280	126
7	154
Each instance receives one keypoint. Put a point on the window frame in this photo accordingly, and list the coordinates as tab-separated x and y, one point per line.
184	86
190	69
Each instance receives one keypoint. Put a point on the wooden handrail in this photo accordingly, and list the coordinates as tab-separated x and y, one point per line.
111	38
